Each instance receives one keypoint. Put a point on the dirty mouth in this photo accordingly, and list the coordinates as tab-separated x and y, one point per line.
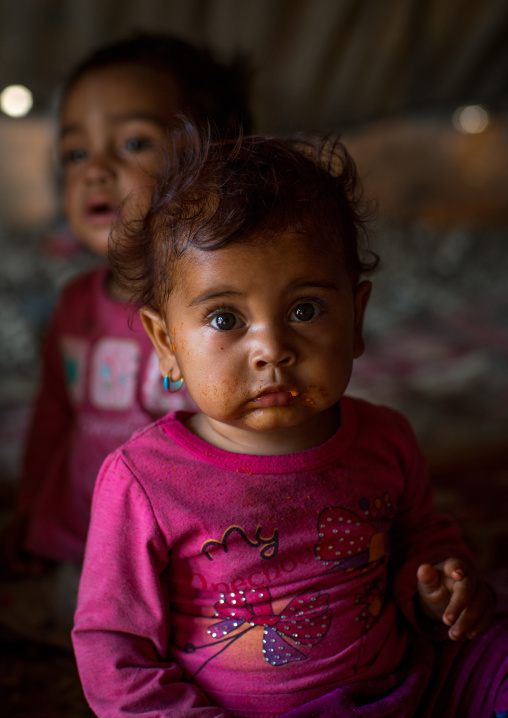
276	397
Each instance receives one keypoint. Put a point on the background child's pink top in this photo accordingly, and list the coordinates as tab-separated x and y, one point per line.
100	383
253	583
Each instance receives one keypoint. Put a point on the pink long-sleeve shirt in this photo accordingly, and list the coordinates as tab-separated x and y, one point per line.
252	583
100	383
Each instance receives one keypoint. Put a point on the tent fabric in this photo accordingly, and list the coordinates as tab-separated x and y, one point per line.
319	64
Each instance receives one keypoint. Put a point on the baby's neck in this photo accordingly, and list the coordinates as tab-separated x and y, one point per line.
238	440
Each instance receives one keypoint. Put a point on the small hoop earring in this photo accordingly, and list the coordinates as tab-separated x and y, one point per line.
168	383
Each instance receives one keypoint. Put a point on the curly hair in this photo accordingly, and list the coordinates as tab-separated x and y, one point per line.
213	193
211	92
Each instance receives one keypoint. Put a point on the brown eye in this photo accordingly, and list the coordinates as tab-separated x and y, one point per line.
225	321
304	312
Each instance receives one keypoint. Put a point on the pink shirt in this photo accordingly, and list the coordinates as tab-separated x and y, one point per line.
252	583
100	383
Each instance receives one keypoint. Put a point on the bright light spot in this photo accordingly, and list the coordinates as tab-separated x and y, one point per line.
16	101
471	119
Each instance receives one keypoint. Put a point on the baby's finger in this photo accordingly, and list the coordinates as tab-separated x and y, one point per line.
461	596
477	616
454	569
434	596
428	579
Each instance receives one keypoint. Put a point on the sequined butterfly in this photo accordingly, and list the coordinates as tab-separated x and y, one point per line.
304	621
350	540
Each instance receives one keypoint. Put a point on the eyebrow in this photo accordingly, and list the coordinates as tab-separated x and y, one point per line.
117	119
229	293
314	285
213	295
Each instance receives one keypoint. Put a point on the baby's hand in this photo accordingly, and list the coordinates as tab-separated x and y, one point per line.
450	592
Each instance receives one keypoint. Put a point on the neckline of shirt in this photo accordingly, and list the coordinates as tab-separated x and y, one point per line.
307	460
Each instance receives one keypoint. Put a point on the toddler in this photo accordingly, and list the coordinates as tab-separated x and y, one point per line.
276	552
100	378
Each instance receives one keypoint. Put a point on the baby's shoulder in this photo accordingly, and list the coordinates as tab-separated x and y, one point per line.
150	460
153	444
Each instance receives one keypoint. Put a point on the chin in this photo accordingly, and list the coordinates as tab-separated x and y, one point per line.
274	419
96	242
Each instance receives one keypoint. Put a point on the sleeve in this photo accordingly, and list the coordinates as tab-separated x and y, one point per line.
51	421
419	534
121	626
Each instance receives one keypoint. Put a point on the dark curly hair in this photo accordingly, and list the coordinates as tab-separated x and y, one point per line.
213	193
211	92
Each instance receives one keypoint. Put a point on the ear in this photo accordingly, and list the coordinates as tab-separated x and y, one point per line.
361	298
155	327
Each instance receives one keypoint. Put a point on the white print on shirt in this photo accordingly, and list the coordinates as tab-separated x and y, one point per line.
114	373
118	427
74	351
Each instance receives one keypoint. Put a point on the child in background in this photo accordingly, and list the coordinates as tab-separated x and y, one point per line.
100	378
277	552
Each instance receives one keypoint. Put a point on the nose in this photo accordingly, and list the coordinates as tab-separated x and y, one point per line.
272	347
100	168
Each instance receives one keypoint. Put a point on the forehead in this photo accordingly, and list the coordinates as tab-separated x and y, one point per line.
117	89
281	262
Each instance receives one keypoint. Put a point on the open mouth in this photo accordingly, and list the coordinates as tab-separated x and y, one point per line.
100	211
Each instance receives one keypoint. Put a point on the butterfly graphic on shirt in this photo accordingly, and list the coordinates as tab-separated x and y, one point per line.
354	540
304	621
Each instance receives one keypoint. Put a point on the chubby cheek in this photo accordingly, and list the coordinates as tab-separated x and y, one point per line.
210	375
315	394
221	394
326	381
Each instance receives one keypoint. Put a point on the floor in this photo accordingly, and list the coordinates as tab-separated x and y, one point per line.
37	681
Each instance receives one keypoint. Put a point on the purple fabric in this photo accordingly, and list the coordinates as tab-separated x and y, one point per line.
471	678
396	696
451	680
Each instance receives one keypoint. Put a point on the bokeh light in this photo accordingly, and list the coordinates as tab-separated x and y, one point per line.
16	101
471	119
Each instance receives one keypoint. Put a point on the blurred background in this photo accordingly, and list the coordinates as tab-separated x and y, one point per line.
419	91
411	68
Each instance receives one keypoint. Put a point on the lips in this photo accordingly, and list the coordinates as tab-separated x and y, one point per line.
100	210
276	396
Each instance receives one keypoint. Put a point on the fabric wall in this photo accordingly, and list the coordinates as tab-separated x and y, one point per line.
319	63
